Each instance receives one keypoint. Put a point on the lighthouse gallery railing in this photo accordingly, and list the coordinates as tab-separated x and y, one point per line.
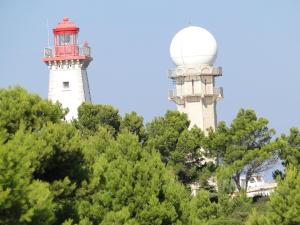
67	50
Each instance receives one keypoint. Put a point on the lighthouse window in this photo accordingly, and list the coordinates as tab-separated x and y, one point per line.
65	39
66	84
61	39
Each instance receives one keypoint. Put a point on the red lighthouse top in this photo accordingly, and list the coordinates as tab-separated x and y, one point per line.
66	44
65	26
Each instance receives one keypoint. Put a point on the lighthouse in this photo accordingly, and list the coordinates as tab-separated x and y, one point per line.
67	63
193	51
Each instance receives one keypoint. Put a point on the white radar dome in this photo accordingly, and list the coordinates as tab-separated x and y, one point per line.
193	46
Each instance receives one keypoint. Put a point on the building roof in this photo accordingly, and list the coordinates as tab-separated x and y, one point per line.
66	25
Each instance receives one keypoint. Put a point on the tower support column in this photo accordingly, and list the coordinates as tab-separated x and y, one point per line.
196	94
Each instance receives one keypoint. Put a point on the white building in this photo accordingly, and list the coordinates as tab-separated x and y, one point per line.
67	63
257	186
194	50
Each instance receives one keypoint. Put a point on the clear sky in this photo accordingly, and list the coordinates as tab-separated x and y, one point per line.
259	45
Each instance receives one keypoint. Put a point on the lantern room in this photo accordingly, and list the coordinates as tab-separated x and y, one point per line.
65	38
66	43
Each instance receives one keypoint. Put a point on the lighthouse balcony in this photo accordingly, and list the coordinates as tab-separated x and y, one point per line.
65	52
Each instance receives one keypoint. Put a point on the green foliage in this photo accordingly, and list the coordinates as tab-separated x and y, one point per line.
256	219
235	207
225	181
131	186
163	133
240	206
179	147
90	117
217	141
134	124
95	145
187	159
104	169
64	198
245	147
18	107
22	199
284	202
226	221
62	166
202	209
120	217
63	155
290	149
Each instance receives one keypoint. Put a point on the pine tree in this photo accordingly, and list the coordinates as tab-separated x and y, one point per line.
284	202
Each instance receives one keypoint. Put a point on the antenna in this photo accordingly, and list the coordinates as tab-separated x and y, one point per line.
47	24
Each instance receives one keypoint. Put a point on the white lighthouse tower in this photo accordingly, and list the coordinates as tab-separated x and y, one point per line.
194	50
67	63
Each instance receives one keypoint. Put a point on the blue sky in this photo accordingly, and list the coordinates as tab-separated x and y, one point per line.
259	45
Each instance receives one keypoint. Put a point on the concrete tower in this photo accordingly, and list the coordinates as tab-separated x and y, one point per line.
194	50
67	63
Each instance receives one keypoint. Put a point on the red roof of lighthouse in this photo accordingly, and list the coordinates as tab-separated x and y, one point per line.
65	25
